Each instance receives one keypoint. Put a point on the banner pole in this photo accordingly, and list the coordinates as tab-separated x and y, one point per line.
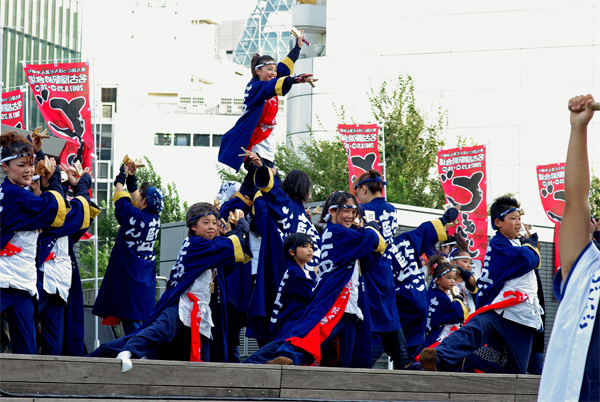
383	164
93	112
26	122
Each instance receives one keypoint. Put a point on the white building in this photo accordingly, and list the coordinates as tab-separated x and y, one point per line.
504	70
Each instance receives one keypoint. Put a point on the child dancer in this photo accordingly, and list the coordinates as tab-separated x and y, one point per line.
508	312
254	130
339	304
183	308
446	311
465	281
128	291
572	367
380	281
23	214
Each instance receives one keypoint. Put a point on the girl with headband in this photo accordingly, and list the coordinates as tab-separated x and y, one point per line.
254	130
380	282
23	214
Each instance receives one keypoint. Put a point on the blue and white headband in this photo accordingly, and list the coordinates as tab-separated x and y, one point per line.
376	179
263	64
503	214
189	223
345	206
12	157
434	285
155	200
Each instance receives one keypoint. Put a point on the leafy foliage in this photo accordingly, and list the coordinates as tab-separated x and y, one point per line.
108	227
595	195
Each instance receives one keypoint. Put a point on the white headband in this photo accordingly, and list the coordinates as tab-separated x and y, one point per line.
263	64
17	156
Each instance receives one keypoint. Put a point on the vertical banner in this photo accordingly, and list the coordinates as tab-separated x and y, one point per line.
13	109
551	183
61	91
360	143
462	172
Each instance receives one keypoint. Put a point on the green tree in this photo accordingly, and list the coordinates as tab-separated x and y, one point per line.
595	195
108	227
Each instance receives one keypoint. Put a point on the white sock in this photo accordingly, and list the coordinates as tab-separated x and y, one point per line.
125	357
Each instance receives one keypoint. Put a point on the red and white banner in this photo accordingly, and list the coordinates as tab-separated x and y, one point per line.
551	183
463	176
61	91
360	142
13	109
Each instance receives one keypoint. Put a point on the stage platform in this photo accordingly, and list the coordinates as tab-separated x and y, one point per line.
74	379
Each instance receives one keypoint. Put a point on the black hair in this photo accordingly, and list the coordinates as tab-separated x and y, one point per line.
295	240
13	143
438	264
457	253
502	204
338	199
258	59
197	209
297	185
372	186
144	188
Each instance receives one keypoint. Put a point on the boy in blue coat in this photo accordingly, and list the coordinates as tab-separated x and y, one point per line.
128	291
508	310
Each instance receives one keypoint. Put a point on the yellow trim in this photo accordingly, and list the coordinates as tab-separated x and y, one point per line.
258	194
240	256
464	308
538	254
439	228
382	244
243	198
86	212
62	209
94	210
135	203
289	64
121	194
279	86
269	186
475	291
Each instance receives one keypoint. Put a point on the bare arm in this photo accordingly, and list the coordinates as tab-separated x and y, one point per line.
574	231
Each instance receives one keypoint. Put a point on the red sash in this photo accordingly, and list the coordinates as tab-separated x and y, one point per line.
9	249
195	324
517	297
311	343
111	321
267	118
51	256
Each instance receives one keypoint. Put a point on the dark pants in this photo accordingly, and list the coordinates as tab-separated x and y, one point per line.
130	326
265	353
19	307
51	314
345	328
483	328
394	345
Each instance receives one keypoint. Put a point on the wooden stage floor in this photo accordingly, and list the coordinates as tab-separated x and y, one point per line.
74	379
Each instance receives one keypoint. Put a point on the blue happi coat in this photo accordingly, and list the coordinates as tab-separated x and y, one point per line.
128	290
442	314
293	294
341	248
256	94
409	278
22	210
380	281
503	261
277	216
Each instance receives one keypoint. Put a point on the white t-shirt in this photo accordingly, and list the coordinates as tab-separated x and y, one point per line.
352	306
18	271
58	271
201	289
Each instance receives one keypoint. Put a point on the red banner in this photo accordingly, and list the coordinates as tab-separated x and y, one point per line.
13	109
462	172
360	142
551	182
61	91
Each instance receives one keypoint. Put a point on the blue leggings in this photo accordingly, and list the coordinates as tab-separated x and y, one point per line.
51	312
19	307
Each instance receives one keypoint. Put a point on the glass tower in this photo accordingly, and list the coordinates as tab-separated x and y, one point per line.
37	30
267	31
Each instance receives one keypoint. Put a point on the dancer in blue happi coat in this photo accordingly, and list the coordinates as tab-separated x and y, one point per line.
380	281
508	310
55	265
254	131
179	328
447	311
279	212
23	214
409	277
339	305
128	290
572	367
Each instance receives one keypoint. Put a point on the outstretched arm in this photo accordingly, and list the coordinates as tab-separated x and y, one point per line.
574	230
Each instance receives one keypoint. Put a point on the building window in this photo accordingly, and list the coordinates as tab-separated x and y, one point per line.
103	170
226	106
198	101
202	140
106	111
217	140
185	100
182	140
162	139
109	95
102	193
238	106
